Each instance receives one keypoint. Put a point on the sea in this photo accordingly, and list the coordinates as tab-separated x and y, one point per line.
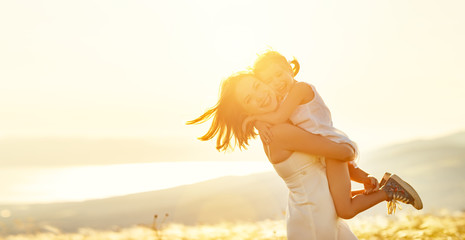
29	185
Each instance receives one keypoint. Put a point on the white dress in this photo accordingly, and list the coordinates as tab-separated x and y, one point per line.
310	211
315	117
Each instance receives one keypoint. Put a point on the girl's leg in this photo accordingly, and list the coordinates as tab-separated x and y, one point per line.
339	185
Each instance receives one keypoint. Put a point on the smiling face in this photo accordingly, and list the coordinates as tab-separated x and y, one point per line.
255	97
279	76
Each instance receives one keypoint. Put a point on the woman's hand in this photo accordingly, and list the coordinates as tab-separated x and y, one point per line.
264	130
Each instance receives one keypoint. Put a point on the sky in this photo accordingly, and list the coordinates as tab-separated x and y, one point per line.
390	71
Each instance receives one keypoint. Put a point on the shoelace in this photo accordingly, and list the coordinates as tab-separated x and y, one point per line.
392	206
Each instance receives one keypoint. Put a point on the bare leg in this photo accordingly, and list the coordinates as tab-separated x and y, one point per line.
339	185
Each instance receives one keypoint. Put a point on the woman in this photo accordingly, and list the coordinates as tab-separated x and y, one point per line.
295	154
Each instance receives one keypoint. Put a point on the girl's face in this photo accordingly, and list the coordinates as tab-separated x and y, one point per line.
279	76
255	97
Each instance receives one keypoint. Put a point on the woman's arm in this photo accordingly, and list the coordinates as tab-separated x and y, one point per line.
292	138
299	93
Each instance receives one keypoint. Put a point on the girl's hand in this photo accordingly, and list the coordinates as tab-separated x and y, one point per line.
247	121
371	184
264	130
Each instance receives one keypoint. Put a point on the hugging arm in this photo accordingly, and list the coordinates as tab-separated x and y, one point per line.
295	139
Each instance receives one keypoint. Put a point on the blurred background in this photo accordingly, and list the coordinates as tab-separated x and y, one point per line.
94	96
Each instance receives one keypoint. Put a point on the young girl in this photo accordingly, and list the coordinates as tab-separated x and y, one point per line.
304	107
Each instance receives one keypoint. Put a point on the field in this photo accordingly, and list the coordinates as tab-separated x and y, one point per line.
445	225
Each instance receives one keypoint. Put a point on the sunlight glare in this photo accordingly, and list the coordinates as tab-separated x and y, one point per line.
236	47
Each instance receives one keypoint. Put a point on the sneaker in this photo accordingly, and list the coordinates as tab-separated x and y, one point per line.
398	189
384	179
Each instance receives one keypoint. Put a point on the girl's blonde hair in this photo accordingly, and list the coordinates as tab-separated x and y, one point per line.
228	116
265	59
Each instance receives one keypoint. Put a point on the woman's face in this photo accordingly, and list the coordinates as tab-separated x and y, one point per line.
255	96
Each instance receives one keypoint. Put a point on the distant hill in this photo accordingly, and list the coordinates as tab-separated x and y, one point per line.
434	167
255	197
77	151
61	151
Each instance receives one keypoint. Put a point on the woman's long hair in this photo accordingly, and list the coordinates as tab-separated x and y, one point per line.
228	116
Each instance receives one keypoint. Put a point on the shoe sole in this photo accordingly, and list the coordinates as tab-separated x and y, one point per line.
418	204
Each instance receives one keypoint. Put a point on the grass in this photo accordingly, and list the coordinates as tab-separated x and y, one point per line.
418	226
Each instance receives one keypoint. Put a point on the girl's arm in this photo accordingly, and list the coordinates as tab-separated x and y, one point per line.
300	93
292	138
358	175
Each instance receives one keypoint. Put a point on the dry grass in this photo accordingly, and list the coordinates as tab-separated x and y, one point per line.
425	226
